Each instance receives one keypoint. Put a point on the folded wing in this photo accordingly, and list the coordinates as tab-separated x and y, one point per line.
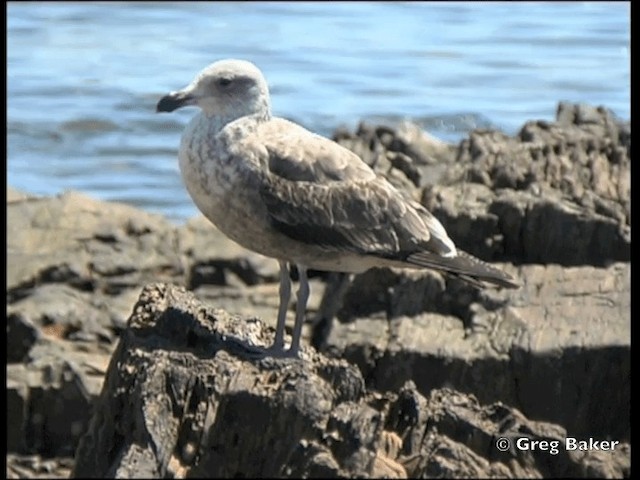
318	192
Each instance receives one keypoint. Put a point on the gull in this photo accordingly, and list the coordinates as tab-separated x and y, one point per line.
280	190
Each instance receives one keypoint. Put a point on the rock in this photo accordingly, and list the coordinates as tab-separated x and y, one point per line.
49	403
461	440
551	205
17	404
59	336
70	261
169	325
553	230
21	335
523	227
183	397
561	341
14	195
72	239
64	312
36	466
75	270
583	155
75	264
553	199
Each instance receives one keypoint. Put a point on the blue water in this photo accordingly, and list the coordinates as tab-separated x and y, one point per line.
83	78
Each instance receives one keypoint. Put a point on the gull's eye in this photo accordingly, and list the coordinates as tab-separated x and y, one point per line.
224	82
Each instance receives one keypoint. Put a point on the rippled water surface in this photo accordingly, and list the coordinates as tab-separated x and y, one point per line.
83	78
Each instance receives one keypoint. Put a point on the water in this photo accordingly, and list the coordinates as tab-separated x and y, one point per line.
83	78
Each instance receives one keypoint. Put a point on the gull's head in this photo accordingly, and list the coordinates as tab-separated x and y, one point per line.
228	88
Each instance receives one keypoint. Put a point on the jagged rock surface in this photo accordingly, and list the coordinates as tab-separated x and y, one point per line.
554	200
550	205
183	398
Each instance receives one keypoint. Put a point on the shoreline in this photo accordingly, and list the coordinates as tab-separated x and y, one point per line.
550	204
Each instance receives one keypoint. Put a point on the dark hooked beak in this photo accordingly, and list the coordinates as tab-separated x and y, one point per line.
173	101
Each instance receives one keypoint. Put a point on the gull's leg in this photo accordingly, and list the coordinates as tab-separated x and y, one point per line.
285	295
301	308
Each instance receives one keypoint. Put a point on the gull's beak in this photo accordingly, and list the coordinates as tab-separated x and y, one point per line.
175	100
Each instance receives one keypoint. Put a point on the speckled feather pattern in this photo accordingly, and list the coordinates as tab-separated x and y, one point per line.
278	189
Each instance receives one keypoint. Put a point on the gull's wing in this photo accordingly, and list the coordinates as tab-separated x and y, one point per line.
357	217
296	154
465	266
320	193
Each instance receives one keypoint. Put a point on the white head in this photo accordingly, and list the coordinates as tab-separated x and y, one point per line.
228	88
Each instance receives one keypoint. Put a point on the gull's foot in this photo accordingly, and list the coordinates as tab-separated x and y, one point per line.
255	352
274	353
279	352
246	349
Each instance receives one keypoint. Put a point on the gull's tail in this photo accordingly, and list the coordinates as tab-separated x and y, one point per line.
464	266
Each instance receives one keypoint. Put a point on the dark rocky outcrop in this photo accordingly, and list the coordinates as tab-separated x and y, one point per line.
183	398
554	200
442	367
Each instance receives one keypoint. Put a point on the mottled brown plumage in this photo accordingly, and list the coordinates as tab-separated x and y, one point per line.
282	191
